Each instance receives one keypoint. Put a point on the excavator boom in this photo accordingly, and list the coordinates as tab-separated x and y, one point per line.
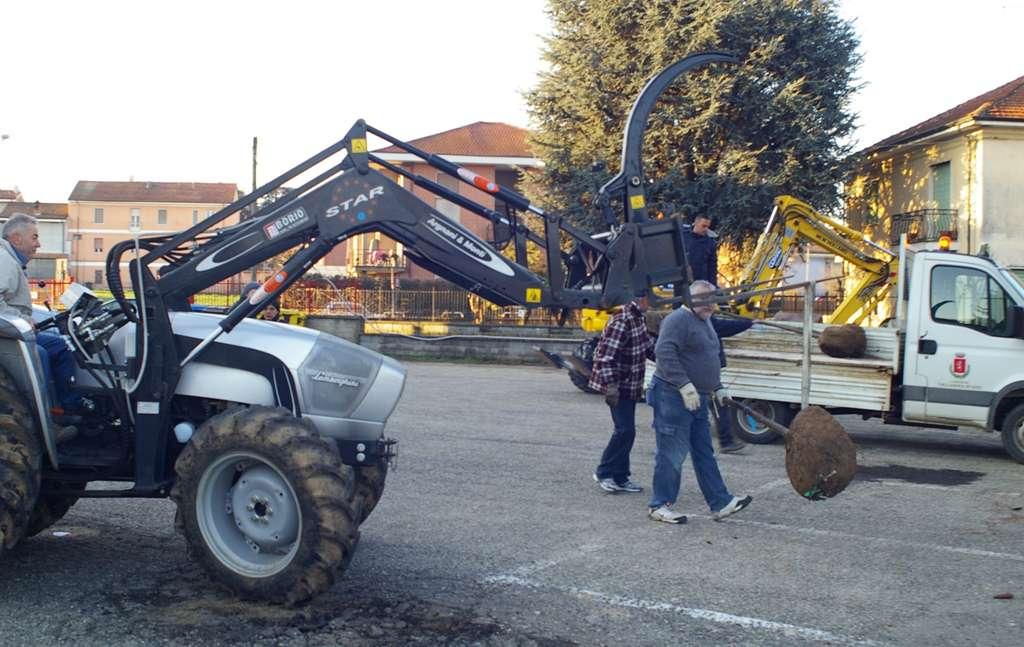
793	222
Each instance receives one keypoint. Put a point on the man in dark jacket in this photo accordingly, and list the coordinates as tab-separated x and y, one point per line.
727	327
702	250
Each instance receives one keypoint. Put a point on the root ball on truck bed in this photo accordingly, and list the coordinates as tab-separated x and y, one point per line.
847	340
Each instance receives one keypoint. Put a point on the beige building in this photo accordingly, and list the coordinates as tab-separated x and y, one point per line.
960	172
101	214
495	150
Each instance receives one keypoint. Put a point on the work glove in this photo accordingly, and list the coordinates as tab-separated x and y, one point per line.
691	399
721	393
611	394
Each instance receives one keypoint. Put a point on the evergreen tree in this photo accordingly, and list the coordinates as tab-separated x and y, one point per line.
725	139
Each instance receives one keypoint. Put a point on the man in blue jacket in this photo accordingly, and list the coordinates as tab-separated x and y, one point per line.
702	250
727	443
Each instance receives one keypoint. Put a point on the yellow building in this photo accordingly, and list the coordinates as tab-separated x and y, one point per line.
960	172
101	214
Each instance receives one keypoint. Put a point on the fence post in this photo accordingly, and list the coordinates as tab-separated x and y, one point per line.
805	369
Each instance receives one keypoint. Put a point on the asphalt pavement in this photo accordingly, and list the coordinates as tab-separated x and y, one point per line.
491	531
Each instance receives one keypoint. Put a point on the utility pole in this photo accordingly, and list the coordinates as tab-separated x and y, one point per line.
252	276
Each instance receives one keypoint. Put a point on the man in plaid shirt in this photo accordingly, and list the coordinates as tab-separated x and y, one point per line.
618	372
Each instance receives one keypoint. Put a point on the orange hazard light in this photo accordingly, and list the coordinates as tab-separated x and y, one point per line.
945	241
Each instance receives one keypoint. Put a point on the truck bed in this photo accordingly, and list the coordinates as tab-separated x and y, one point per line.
765	364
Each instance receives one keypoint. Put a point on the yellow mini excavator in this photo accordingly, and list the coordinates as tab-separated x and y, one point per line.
792	222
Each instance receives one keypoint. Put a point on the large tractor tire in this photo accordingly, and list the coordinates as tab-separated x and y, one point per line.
266	505
585	354
20	464
51	508
370	487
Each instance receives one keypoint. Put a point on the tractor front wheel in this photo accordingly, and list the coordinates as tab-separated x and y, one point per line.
266	505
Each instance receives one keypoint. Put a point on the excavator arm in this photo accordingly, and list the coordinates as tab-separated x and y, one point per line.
793	222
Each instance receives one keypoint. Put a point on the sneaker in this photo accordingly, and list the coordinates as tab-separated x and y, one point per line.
608	485
733	507
735	446
630	486
667	515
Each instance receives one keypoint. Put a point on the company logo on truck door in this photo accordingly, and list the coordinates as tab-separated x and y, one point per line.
288	222
464	242
959	367
345	205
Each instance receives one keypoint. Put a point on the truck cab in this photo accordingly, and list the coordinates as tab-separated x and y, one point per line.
963	356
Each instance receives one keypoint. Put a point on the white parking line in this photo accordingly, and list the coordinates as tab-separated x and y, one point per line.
793	631
770	485
975	552
900	483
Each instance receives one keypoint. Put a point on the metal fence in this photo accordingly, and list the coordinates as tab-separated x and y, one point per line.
441	303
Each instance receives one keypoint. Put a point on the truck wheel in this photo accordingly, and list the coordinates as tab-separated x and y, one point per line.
585	354
752	431
20	465
266	505
1013	433
50	509
370	487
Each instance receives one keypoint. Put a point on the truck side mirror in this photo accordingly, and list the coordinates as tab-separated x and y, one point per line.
1015	321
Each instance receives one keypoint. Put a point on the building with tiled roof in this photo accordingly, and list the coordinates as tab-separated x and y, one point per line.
492	149
959	172
483	139
9	195
101	214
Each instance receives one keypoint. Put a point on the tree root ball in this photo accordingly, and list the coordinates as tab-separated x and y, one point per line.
821	460
847	340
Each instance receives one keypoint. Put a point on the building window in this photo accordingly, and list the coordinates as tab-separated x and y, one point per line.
449	209
136	219
209	212
97	215
98	276
195	216
97	244
942	193
161	216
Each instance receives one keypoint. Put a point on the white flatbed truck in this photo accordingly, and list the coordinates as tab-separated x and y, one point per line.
953	356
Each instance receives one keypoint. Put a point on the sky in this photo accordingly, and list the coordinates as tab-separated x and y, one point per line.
175	91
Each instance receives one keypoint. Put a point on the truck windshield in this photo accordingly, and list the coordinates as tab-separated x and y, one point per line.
1015	282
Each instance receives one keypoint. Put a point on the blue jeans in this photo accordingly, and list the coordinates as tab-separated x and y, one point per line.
58	368
615	459
679	432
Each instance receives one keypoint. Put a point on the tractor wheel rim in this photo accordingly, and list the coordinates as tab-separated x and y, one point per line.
248	514
1018	434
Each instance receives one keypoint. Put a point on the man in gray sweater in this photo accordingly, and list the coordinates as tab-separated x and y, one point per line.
687	373
19	242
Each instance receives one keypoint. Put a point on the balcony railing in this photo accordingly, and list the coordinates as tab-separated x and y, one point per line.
924	225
